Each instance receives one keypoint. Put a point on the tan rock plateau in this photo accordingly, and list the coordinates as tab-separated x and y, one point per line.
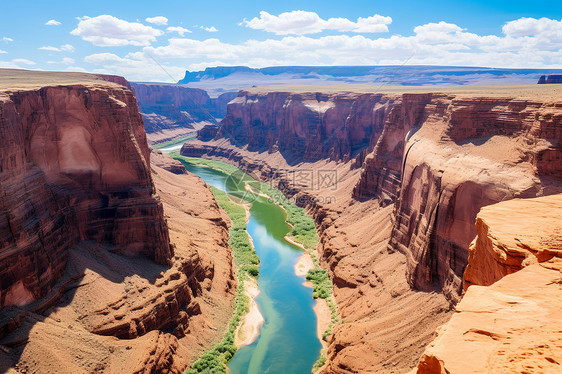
512	235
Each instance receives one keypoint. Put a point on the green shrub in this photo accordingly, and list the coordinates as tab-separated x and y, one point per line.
253	271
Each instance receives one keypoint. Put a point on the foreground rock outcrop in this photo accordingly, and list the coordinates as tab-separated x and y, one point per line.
512	235
413	168
98	273
510	324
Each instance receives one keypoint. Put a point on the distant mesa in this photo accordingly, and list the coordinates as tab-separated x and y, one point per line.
551	79
216	80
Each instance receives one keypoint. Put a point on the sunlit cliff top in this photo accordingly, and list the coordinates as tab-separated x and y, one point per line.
546	91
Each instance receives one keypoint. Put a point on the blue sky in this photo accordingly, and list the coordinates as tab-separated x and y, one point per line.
127	37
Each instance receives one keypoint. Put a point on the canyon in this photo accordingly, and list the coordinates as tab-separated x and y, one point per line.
173	112
414	167
438	210
105	267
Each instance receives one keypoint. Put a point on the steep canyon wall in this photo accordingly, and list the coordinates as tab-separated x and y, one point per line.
172	111
104	267
75	166
439	157
414	168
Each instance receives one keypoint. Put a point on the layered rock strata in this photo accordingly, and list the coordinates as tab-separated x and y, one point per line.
514	234
116	314
440	156
75	166
306	126
173	111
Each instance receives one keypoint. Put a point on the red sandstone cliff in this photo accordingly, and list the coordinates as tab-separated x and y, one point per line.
513	324
306	126
171	111
75	166
86	253
512	235
463	153
420	166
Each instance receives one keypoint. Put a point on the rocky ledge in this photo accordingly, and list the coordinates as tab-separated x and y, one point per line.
511	323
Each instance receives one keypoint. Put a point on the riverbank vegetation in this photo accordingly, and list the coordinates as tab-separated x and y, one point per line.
304	229
246	262
303	232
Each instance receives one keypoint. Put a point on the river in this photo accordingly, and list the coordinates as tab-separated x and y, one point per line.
288	342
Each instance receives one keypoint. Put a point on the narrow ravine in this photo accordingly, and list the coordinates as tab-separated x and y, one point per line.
288	341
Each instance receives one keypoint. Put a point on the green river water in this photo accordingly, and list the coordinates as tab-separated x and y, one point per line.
287	343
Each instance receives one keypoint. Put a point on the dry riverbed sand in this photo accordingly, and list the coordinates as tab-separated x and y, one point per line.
322	310
249	328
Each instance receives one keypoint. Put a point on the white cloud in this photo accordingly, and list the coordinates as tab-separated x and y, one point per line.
76	69
1	51
62	48
209	29
9	65
301	22
438	43
7	40
109	31
158	20
23	61
433	43
179	30
533	27
64	61
52	22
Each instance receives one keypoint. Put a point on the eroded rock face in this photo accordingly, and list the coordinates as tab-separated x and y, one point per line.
173	111
508	319
74	165
441	158
306	126
88	278
467	153
166	106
